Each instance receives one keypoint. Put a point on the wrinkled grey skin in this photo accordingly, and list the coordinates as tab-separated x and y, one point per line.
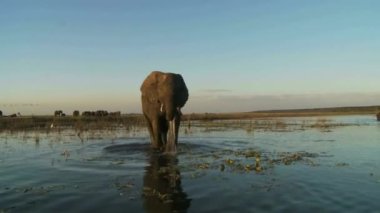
162	97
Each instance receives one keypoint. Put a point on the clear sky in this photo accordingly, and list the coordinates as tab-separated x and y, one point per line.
239	55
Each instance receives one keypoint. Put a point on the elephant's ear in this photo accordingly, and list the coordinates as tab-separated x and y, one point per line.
182	89
149	88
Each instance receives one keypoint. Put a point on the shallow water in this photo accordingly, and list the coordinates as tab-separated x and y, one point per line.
333	168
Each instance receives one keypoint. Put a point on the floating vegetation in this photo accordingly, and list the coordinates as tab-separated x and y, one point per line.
42	190
342	164
203	166
288	158
249	160
117	162
163	197
250	153
323	140
66	154
124	186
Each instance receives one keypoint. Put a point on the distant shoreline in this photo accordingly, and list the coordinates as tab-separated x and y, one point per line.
332	111
83	123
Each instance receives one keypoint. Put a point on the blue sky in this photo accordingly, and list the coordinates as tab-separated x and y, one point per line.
239	55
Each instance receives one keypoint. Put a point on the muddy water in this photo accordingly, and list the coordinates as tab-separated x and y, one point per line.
292	165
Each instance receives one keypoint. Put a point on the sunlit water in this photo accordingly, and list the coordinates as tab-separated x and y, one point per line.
100	171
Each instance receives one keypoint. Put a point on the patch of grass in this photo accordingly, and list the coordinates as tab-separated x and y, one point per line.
51	123
366	110
250	160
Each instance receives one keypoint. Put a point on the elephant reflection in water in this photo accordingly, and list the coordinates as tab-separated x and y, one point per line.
162	185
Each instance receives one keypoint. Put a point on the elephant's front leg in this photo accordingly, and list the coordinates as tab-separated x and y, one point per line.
176	126
171	145
157	135
164	125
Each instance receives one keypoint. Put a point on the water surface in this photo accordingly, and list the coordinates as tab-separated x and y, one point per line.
326	164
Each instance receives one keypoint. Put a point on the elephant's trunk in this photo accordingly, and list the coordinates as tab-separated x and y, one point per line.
172	115
170	111
171	145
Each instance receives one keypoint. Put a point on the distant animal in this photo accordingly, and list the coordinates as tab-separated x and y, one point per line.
101	113
76	113
115	114
98	113
378	116
162	97
1	113
58	113
86	113
13	115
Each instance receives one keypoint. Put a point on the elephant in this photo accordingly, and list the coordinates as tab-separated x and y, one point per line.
58	113
86	113
76	113
162	97
115	114
101	113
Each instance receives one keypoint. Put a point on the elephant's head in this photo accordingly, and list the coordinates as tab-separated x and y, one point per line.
163	95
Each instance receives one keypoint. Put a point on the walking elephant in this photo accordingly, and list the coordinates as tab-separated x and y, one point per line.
162	97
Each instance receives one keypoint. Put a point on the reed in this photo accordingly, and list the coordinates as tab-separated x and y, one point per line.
49	123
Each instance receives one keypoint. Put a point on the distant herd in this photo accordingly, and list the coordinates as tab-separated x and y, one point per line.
11	115
98	113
